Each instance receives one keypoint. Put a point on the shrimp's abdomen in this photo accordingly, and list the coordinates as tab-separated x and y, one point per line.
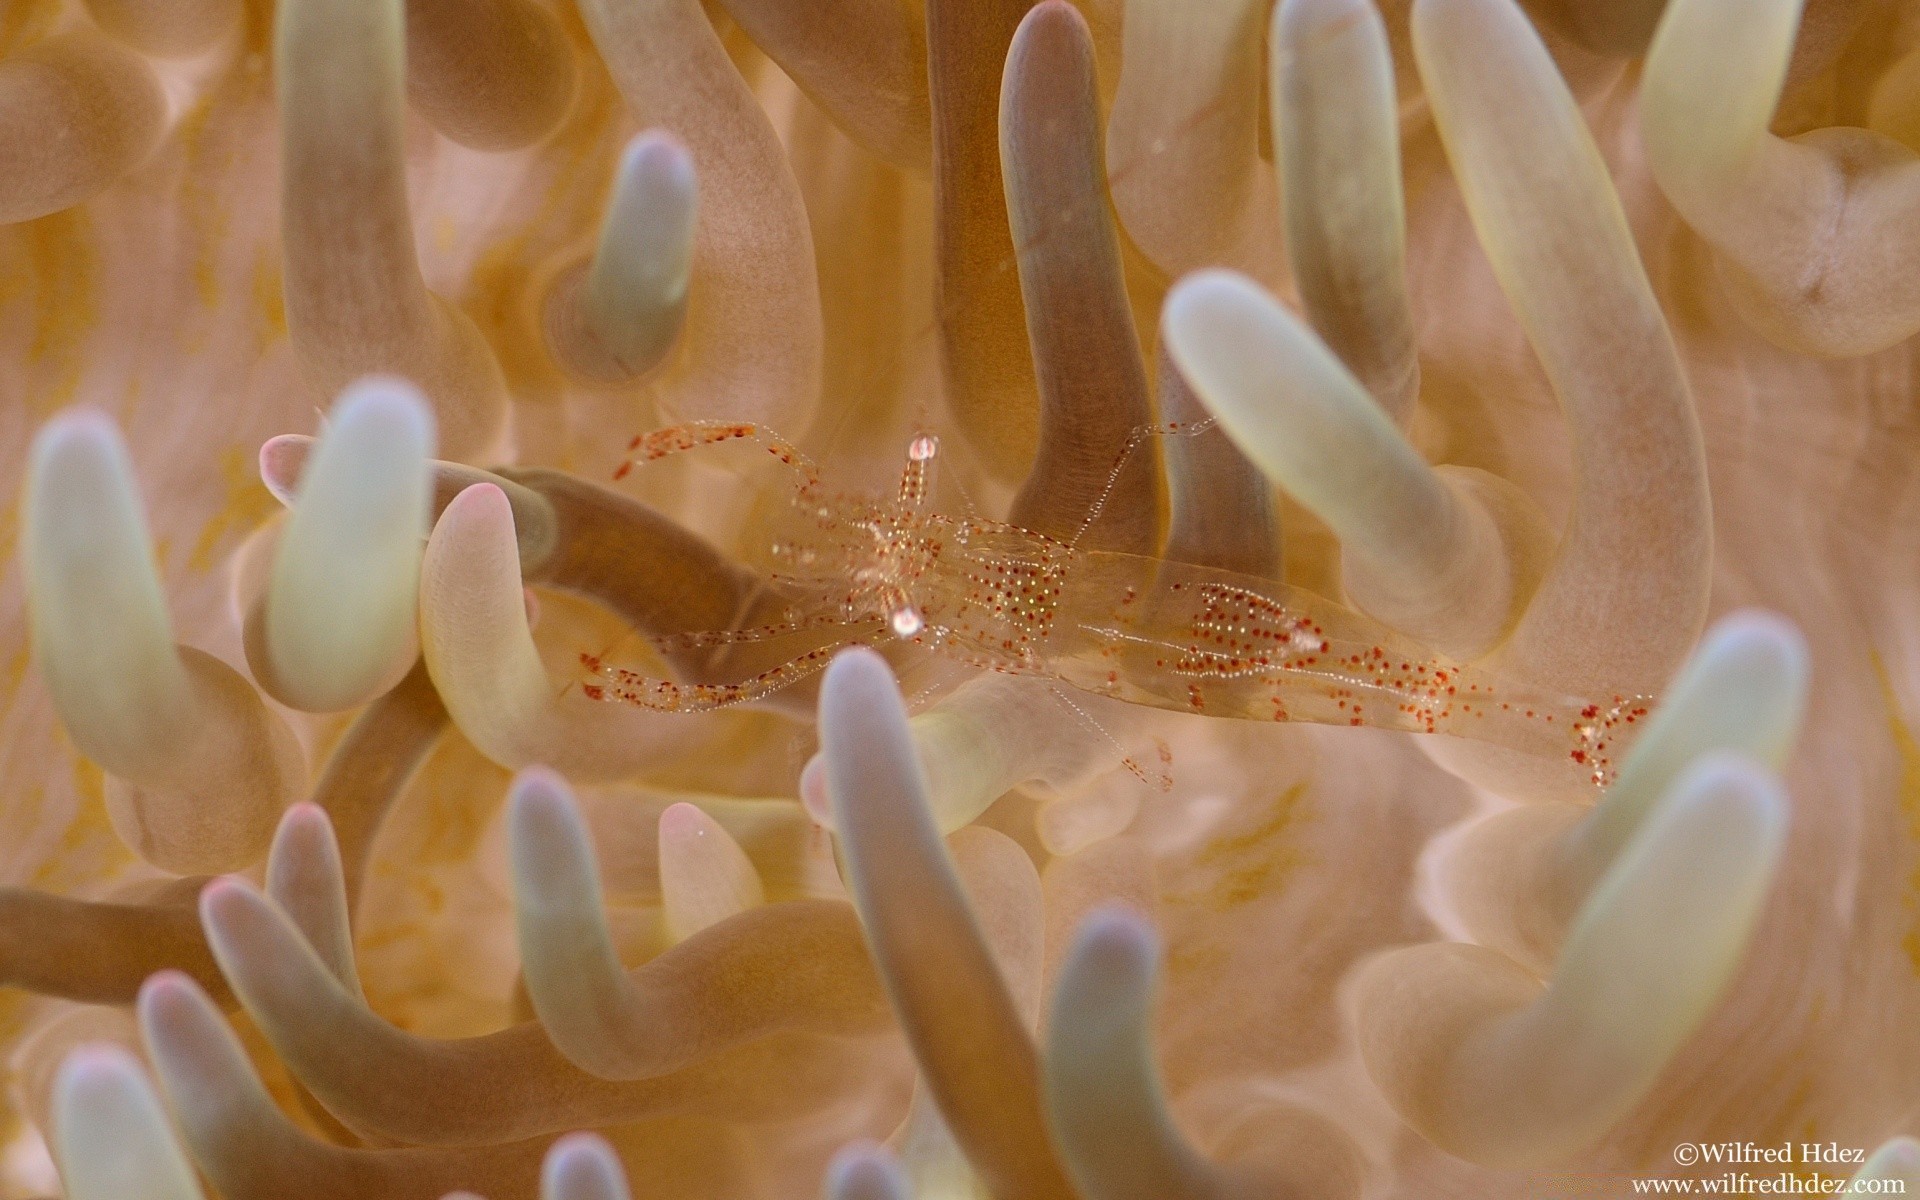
1192	639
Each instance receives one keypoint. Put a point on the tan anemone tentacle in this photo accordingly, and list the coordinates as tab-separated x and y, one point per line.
99	951
111	1136
862	61
1094	481
661	578
77	112
491	74
355	301
964	1026
793	966
1336	130
370	766
1446	554
1220	510
199	767
1003	890
1517	880
478	643
866	1171
305	878
1625	597
1806	229
336	625
250	1151
582	1166
586	539
167	28
1494	1065
705	877
752	345
1635	556
1106	1104
993	734
479	648
1183	144
616	316
987	366
379	1080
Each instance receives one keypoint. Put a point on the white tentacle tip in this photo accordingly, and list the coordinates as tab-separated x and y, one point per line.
83	508
282	460
866	1171
1115	951
1896	1161
705	877
813	791
1687	893
619	317
582	1166
547	843
102	637
864	737
111	1138
341	605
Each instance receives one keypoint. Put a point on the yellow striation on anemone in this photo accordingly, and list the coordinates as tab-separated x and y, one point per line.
1282	598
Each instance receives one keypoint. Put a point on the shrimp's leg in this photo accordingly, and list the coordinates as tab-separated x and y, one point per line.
730	637
678	439
666	695
1159	777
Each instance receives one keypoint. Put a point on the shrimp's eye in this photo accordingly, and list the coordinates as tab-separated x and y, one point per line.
906	621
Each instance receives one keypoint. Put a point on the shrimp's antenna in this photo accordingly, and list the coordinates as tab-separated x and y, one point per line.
1162	781
1140	434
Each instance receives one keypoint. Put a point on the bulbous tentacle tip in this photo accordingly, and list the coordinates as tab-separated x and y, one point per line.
754	339
1491	1065
1423	552
1802	226
1108	1110
1897	1160
705	877
813	791
199	767
617	317
1517	879
547	844
866	1171
582	1166
111	1137
1336	128
337	625
479	649
77	113
493	75
1744	691
306	878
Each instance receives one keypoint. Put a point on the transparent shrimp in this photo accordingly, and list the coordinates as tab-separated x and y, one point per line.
1162	634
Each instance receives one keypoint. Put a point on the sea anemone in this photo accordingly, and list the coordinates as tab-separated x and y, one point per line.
902	599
